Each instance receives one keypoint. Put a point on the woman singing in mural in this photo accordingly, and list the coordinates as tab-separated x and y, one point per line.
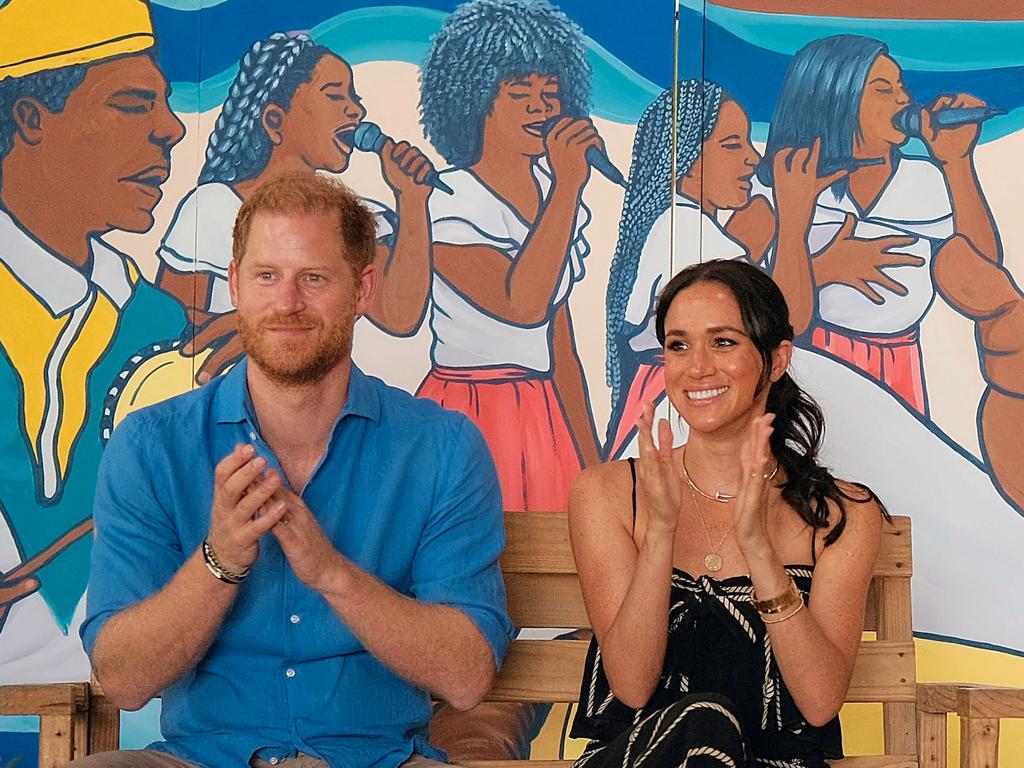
713	133
726	579
504	96
291	107
873	235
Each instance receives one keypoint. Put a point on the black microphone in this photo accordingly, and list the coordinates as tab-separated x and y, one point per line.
595	156
368	137
909	120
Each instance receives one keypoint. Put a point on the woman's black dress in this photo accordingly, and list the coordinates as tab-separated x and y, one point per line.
720	700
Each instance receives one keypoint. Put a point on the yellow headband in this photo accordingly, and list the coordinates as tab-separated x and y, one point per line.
36	35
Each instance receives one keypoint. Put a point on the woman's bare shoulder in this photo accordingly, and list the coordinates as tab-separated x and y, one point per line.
603	488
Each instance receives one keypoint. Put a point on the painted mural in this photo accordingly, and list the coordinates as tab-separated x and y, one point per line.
537	172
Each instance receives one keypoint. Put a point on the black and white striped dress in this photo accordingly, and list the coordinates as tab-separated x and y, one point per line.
720	702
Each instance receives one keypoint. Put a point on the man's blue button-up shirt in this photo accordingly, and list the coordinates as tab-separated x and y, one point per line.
405	489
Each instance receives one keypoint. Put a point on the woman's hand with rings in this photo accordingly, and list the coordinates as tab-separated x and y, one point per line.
757	468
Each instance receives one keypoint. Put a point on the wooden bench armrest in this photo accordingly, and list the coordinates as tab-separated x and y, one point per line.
44	699
937	698
989	701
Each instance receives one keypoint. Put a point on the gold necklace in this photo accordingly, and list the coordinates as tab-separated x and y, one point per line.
720	497
712	560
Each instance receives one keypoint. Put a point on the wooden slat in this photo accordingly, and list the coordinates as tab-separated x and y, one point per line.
937	698
104	724
537	542
80	735
990	702
44	699
931	738
545	600
56	740
541	670
884	672
894	551
979	742
894	624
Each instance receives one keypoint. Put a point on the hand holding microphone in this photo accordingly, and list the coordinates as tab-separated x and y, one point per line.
950	125
563	136
368	137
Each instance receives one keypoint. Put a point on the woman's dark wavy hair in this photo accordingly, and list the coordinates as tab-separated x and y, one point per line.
799	424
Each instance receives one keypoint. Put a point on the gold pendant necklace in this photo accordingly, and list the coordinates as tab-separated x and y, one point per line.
712	560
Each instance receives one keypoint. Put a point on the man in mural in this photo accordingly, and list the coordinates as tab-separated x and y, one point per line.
505	94
292	106
332	578
85	141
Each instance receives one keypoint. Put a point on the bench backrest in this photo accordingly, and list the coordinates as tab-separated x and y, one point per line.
543	591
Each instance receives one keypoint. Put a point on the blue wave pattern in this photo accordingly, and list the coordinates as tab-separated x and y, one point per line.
403	34
725	47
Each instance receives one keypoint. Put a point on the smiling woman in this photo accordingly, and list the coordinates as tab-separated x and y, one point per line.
726	579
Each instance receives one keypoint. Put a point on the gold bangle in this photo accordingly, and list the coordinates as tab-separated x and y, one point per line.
784	602
790	615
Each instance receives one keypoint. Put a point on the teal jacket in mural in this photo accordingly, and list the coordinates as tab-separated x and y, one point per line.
35	520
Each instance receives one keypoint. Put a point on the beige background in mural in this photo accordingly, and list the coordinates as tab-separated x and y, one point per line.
391	94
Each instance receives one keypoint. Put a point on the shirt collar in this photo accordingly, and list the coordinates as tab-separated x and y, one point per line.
232	404
57	284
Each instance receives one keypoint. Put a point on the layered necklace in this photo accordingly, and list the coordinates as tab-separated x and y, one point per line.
713	559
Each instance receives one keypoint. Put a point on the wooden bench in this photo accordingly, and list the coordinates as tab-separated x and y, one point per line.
76	719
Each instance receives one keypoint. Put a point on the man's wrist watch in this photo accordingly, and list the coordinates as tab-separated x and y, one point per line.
217	568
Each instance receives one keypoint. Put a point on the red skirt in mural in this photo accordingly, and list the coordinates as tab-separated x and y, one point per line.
893	360
524	424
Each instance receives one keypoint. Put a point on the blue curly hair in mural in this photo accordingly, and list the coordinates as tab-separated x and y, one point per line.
269	73
820	98
483	44
649	195
51	88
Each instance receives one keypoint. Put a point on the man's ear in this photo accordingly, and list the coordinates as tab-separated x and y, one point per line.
28	116
272	119
366	289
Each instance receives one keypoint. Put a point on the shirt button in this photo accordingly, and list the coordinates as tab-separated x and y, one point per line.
294	618
252	435
289	672
273	761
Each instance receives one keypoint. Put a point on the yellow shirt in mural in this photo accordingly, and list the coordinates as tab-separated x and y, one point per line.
56	325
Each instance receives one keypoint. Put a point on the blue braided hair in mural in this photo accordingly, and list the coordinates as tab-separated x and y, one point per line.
483	44
269	73
648	196
51	88
820	98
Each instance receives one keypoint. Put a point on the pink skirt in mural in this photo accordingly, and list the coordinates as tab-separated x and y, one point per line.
893	360
522	420
648	387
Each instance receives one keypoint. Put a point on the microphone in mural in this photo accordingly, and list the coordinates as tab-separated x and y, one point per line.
597	157
909	120
368	137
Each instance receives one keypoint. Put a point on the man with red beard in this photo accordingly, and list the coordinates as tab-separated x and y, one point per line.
274	554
